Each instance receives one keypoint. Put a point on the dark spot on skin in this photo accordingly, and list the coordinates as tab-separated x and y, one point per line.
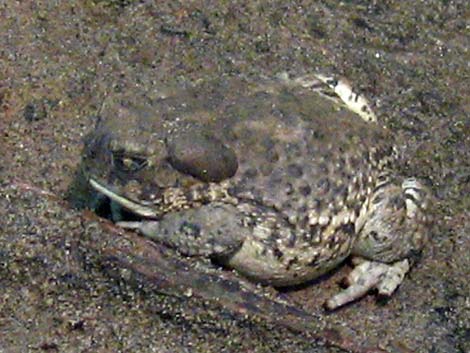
293	149
328	155
278	253
374	235
268	143
250	173
275	235
357	210
421	192
289	189
341	192
316	205
272	156
354	162
249	304
314	261
382	178
316	134
294	170
234	190
365	157
314	233
348	228
411	197
190	229
323	169
364	179
305	190
346	176
249	221
323	186
378	198
292	240
340	163
287	205
202	190
332	82
230	286
397	202
257	194
332	241
291	262
151	191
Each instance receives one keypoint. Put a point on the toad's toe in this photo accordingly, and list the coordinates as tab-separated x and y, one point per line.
370	275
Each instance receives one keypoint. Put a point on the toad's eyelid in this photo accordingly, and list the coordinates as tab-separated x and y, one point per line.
136	162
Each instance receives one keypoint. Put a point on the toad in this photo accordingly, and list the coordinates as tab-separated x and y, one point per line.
280	179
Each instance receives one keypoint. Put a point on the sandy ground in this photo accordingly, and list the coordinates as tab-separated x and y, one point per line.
72	283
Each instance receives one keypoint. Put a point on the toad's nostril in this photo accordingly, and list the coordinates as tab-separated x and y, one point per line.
201	155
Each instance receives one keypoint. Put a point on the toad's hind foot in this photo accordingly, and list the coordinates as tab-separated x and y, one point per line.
370	275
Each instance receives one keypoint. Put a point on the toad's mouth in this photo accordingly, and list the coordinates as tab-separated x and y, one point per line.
158	209
138	209
119	206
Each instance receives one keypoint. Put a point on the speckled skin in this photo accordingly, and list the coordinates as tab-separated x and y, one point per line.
270	178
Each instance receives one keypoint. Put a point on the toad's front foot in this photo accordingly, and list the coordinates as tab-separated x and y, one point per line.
370	275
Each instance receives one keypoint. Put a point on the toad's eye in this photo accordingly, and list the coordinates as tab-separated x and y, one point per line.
128	163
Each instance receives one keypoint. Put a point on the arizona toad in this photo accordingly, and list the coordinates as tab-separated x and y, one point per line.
279	179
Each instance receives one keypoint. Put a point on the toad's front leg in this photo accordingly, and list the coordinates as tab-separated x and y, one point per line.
209	230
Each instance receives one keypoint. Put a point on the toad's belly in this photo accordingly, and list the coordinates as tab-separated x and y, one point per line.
284	268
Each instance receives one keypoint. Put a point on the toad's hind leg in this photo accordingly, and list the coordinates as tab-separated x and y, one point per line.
392	230
338	90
